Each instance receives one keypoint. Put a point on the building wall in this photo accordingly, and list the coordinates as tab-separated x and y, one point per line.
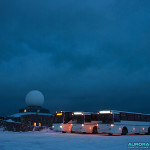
27	123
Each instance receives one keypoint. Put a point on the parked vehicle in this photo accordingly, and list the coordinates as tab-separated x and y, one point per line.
114	122
62	121
84	122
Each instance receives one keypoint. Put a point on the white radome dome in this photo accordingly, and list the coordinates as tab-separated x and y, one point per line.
34	98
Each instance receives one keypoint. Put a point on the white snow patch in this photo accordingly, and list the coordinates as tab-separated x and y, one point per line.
59	141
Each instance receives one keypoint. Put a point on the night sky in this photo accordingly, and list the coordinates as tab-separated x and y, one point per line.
82	55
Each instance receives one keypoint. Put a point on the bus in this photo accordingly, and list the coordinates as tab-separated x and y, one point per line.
84	122
62	121
121	122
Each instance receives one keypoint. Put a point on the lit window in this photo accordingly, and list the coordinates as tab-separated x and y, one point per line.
25	110
34	124
59	114
40	124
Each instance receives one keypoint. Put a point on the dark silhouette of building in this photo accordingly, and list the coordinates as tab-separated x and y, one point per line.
31	117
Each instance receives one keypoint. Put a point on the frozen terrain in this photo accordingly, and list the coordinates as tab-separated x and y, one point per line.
60	141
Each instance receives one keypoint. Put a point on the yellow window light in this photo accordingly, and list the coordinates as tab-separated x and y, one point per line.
59	114
25	110
34	123
40	124
112	125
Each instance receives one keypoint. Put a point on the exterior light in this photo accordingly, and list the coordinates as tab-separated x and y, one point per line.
34	123
133	128
78	113
112	125
119	128
97	125
25	110
105	112
143	128
60	126
59	114
40	124
82	125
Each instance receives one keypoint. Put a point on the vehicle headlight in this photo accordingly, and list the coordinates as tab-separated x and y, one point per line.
112	125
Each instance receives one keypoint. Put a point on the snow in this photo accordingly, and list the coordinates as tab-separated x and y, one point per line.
49	140
9	120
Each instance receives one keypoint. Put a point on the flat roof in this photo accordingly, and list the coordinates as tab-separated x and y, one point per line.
117	111
30	113
82	112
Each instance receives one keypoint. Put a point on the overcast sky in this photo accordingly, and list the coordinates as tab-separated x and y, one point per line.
82	55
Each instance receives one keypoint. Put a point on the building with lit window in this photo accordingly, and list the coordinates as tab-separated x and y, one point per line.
32	117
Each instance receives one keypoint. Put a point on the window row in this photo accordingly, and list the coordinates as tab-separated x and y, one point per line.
134	117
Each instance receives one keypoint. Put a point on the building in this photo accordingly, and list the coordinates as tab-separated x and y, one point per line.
32	117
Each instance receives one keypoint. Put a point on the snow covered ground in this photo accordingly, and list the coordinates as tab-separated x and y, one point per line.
60	141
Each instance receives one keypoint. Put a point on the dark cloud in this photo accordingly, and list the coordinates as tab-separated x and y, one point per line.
81	55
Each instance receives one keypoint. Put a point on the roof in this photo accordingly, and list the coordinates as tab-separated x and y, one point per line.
63	111
10	120
83	113
117	111
30	113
